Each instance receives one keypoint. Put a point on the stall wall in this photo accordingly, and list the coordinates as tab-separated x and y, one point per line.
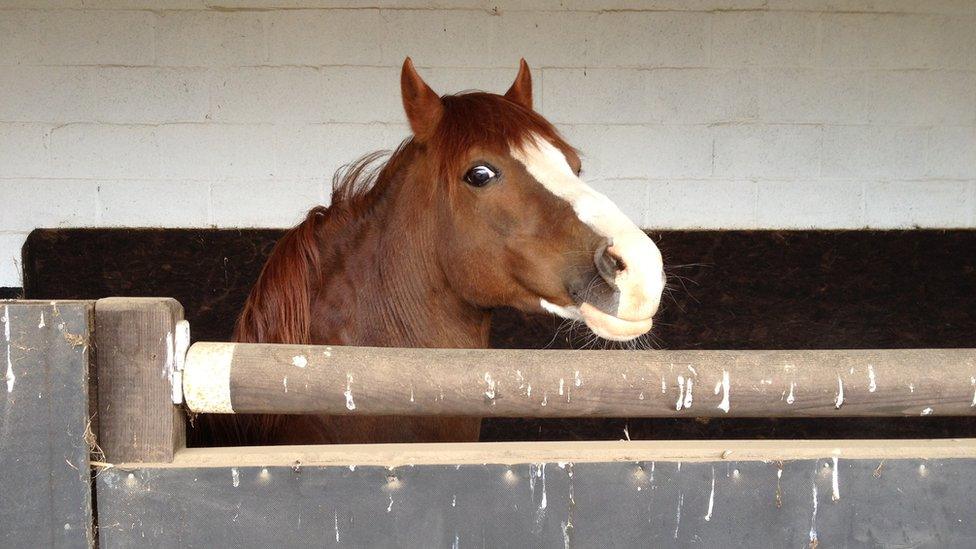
703	114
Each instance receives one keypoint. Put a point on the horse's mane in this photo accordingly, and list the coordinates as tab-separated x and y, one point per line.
278	309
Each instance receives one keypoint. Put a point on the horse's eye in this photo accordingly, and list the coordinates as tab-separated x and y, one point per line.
479	176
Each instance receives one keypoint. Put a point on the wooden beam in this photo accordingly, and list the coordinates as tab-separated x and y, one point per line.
262	378
137	359
46	351
508	453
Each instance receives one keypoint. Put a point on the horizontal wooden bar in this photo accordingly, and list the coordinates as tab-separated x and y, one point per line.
303	379
510	453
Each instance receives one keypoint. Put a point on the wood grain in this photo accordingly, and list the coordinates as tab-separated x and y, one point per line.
137	418
510	383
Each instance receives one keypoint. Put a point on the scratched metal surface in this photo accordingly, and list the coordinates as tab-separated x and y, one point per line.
45	496
907	503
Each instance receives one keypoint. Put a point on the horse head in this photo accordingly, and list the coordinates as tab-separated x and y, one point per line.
516	225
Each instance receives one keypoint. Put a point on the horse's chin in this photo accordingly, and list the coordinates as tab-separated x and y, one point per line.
611	327
600	323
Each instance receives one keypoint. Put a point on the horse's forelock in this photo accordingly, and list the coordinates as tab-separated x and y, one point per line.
487	121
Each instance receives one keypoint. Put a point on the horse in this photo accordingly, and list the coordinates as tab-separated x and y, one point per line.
482	207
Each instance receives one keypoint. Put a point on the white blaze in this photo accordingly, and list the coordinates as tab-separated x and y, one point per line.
641	282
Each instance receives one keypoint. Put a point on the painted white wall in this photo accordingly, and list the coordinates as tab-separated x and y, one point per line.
691	114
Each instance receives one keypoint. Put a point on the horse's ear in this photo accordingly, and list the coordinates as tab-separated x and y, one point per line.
521	90
423	106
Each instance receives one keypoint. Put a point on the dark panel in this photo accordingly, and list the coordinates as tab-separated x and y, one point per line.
563	429
904	503
11	293
804	290
209	271
45	495
730	290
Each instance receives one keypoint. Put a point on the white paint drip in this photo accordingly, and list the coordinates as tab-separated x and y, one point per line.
454	500
350	403
532	476
565	526
545	398
835	482
711	498
664	386
300	361
528	389
626	432
170	365
562	384
41	323
352	467
577	380
538	471
791	399
677	518
839	400
490	390
872	381
681	393
285	383
336	515
927	411
688	394
911	387
235	477
11	377
813	519
724	405
542	474
972	381
390	506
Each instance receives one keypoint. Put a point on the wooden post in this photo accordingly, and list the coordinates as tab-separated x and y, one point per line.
46	351
262	378
137	353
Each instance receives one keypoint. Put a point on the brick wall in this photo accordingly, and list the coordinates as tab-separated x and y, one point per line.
701	113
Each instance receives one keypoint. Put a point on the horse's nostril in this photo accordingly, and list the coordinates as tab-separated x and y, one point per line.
617	262
608	264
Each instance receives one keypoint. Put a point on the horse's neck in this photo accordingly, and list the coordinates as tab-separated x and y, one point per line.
388	290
